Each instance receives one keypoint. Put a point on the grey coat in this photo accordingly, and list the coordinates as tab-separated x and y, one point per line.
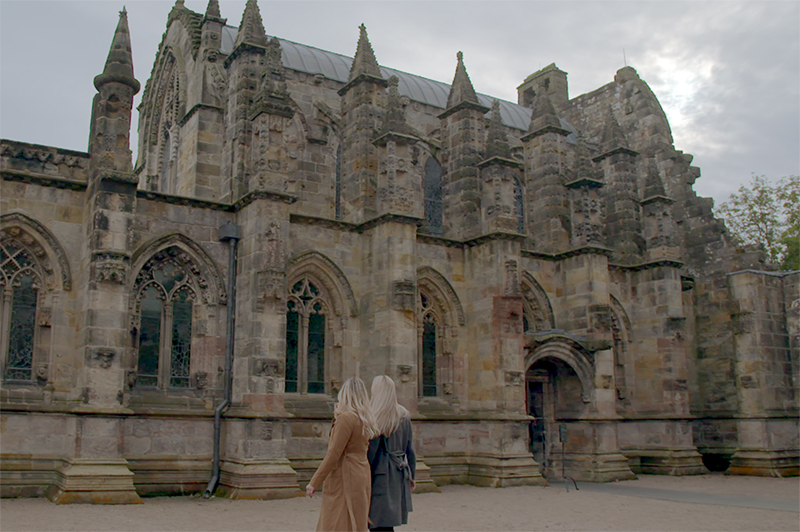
393	464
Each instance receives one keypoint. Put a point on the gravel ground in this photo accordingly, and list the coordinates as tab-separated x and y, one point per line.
458	508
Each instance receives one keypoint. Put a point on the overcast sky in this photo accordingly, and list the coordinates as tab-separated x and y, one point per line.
727	73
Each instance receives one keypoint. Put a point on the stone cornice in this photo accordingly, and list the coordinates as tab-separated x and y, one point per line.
585	250
43	180
181	200
466	104
647	265
196	108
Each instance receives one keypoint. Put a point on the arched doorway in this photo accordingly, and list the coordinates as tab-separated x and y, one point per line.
557	384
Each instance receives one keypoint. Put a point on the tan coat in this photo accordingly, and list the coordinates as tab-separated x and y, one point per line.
346	477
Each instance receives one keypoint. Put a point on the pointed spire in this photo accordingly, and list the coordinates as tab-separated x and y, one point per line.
462	89
364	63
583	168
613	137
251	30
394	121
653	186
497	140
119	64
212	10
544	114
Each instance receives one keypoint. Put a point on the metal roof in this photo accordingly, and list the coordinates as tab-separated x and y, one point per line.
303	58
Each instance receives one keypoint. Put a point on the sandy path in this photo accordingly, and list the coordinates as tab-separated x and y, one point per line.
455	508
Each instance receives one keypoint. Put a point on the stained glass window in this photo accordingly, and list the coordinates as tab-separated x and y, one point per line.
292	332
339	182
433	197
305	339
166	292
19	286
519	207
149	338
181	342
19	364
429	358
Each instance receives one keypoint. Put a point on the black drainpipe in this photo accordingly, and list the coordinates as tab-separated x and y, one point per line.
229	232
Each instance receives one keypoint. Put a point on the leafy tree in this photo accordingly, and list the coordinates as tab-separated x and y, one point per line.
767	215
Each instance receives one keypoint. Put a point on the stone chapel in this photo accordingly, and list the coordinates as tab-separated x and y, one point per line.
536	277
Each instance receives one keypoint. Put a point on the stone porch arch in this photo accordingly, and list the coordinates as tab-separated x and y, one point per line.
536	305
567	352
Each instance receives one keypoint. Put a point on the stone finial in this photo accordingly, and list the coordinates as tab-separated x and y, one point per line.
497	140
613	137
544	114
364	62
119	64
462	90
394	121
212	10
653	185
251	30
583	167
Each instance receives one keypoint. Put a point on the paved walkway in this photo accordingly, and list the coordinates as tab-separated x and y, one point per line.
651	503
749	501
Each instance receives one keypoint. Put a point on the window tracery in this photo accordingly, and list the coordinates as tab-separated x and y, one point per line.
306	338
20	284
433	196
165	292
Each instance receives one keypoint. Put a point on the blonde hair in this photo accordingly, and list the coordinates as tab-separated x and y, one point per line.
388	413
353	398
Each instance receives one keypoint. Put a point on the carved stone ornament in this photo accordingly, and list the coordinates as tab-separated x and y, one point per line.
102	357
512	279
41	372
200	380
131	376
514	378
271	286
264	367
403	294
448	388
110	266
44	316
404	371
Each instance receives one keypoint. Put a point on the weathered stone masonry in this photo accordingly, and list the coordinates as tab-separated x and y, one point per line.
515	268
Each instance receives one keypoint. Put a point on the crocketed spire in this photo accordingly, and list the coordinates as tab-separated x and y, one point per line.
583	167
364	62
544	114
251	30
613	137
462	90
394	121
212	10
496	138
653	186
119	64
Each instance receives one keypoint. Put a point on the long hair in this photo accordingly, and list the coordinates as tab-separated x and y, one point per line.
388	413
353	398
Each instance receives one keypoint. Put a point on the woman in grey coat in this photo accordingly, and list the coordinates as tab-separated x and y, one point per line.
391	457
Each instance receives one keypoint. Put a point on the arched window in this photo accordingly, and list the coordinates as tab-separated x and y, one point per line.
19	284
519	209
429	334
305	339
165	291
433	197
338	205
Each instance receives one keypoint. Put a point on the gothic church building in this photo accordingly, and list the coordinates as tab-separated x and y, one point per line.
532	275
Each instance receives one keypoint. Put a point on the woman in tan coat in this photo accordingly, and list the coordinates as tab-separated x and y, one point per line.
344	473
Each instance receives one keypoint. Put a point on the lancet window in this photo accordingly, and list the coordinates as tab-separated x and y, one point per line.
429	347
165	293
519	208
20	285
306	338
433	196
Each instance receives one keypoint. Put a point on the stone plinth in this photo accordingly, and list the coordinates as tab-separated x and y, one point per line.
93	481
258	479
